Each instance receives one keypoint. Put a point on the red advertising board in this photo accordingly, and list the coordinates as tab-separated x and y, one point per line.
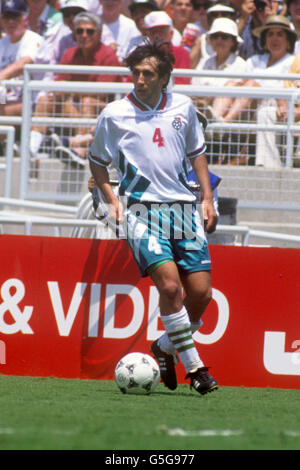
73	307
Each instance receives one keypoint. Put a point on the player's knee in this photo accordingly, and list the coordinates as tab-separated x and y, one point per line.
203	297
170	290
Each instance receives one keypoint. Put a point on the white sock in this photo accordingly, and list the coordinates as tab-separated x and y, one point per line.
178	328
166	344
36	139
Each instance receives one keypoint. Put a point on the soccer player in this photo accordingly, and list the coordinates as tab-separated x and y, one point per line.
149	136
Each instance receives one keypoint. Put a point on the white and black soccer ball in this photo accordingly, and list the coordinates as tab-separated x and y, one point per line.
137	373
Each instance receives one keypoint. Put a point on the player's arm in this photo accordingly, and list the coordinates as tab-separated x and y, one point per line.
101	177
200	168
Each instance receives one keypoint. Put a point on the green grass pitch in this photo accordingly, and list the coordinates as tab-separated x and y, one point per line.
56	414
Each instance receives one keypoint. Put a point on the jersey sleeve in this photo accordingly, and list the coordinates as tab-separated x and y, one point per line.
195	141
103	146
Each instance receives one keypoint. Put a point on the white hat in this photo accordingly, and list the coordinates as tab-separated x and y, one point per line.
74	4
157	18
227	26
220	7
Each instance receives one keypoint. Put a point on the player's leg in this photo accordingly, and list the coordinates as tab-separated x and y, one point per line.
194	267
175	317
197	286
168	283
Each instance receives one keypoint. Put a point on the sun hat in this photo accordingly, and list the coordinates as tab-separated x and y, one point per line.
82	4
276	21
226	26
157	18
220	7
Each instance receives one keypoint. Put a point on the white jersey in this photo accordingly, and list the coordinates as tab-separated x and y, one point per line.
150	148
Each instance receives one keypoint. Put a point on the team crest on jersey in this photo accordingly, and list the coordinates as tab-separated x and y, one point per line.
177	123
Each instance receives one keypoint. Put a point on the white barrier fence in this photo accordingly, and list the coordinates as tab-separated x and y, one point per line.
65	218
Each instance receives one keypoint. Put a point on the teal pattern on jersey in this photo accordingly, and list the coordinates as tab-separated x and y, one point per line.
129	173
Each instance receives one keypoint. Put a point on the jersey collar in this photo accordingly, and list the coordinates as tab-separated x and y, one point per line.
143	106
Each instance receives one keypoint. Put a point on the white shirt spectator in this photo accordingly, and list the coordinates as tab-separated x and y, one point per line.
26	47
122	30
11	52
233	64
259	63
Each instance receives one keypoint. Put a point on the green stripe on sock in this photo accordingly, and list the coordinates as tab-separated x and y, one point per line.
179	332
185	348
182	339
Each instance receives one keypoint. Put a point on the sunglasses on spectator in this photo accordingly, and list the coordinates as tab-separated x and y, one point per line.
198	6
220	14
69	12
223	36
88	31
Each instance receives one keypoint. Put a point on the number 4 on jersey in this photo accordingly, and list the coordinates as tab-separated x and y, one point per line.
158	138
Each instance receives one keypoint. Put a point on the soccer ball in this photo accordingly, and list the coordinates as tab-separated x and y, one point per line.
137	373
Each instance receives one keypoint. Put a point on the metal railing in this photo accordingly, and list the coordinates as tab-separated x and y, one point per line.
243	234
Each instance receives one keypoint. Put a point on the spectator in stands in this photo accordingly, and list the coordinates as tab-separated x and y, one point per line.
198	24
181	13
118	25
225	42
89	51
278	7
138	10
159	27
42	16
277	38
202	48
17	48
62	35
199	16
253	15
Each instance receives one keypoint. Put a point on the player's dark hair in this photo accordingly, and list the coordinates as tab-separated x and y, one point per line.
161	51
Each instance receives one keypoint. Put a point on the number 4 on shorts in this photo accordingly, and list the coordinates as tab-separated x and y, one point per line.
158	138
153	245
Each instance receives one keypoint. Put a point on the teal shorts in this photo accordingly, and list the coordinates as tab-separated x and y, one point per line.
159	232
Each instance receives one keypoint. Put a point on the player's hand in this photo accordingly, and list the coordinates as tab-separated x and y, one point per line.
115	211
210	217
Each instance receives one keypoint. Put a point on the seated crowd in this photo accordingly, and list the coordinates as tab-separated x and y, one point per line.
251	36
